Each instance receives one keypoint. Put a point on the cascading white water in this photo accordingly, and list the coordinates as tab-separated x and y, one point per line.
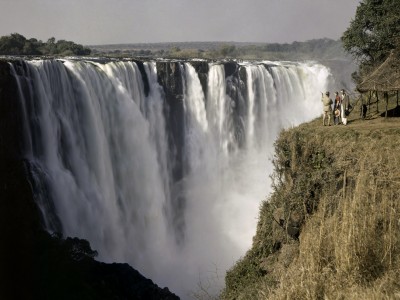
101	143
218	108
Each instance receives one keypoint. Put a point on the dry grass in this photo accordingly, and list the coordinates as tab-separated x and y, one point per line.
353	251
342	185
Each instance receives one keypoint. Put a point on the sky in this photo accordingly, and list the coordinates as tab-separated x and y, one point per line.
95	22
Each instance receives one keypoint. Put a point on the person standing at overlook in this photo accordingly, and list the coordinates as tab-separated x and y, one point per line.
336	109
327	108
345	106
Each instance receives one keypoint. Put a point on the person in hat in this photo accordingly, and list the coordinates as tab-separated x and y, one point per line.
327	108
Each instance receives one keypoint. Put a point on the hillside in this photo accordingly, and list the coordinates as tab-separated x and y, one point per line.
330	229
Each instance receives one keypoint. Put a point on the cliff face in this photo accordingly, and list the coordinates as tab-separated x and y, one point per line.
330	229
18	214
33	264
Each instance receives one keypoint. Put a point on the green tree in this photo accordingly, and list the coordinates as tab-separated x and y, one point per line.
16	44
12	44
51	40
50	47
373	32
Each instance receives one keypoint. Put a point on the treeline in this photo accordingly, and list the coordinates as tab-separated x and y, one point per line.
17	44
307	46
312	49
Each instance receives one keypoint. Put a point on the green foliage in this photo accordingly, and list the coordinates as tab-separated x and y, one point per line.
16	44
243	278
373	33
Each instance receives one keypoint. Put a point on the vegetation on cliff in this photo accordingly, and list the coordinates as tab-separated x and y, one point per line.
17	44
330	229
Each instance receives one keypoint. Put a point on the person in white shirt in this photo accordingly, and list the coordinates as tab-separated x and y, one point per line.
344	106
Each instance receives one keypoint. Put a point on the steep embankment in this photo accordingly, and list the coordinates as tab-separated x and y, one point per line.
330	229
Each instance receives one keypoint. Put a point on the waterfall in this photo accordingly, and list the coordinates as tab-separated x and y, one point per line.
176	197
218	109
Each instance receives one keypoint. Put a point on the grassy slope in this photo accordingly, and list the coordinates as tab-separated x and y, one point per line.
330	229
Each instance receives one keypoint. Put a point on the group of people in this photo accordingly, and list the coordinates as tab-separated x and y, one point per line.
339	111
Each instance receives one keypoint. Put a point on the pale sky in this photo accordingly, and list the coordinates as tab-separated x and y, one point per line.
92	22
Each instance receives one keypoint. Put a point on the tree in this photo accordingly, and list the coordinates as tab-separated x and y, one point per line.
373	33
12	44
51	40
16	44
29	48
